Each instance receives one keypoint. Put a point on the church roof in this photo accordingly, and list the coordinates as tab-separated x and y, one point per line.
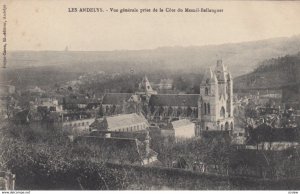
174	100
116	98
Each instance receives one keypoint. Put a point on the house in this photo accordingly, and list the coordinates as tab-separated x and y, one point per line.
165	84
124	122
6	89
75	102
50	104
115	103
238	136
77	126
184	128
36	90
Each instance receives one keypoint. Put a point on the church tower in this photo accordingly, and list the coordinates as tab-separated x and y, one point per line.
146	87
215	108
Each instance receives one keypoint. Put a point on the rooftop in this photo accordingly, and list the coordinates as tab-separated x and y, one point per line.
116	98
125	120
174	100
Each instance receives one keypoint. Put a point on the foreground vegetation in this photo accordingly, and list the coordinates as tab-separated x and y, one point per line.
45	160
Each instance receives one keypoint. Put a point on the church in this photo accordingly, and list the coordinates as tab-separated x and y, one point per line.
211	110
215	104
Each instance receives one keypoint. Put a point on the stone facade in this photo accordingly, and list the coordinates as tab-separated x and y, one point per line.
215	102
210	110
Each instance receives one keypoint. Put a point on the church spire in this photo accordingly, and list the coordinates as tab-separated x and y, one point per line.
220	71
209	77
145	86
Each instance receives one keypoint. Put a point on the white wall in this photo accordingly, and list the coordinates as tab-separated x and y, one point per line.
186	131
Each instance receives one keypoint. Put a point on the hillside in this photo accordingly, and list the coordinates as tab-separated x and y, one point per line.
273	73
240	57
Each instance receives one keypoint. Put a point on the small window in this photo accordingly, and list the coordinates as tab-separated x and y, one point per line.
206	128
206	91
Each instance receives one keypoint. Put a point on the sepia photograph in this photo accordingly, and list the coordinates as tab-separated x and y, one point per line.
146	95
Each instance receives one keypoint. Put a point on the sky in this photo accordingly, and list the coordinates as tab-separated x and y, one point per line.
48	25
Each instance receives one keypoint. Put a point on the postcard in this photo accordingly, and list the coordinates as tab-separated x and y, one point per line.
149	95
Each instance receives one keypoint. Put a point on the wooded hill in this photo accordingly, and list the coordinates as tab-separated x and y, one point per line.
275	73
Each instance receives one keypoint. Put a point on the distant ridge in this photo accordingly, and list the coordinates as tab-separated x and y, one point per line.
241	58
273	73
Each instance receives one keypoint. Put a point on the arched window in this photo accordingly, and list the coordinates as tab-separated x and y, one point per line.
222	127
206	91
226	126
231	126
206	128
205	108
208	108
222	112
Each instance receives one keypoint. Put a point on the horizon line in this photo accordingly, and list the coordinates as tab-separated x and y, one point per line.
156	48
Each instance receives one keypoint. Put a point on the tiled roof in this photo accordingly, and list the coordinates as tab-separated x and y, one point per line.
116	98
125	120
174	100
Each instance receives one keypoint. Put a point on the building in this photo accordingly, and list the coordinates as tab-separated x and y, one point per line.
184	128
122	123
50	104
118	103
212	109
165	84
36	90
238	136
146	88
78	126
173	106
6	89
216	101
